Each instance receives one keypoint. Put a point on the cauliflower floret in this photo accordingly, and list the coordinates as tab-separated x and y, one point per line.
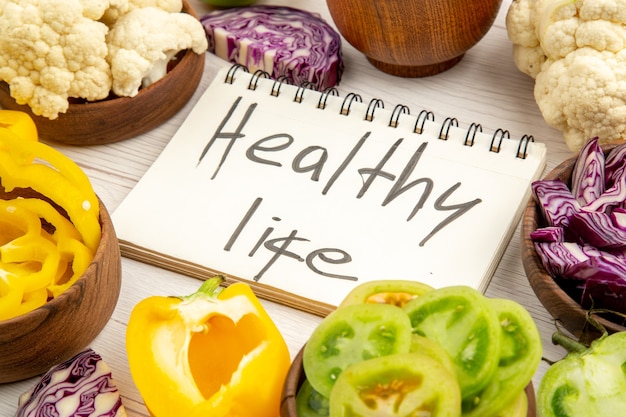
143	41
584	95
529	59
49	52
579	64
172	6
106	11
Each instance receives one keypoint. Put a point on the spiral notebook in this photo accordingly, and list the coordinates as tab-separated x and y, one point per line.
305	194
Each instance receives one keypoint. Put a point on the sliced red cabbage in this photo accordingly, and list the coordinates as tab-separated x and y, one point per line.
614	194
598	229
588	173
588	256
555	200
548	234
280	40
559	257
79	387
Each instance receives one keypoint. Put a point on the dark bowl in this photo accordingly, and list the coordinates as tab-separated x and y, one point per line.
561	306
32	343
116	119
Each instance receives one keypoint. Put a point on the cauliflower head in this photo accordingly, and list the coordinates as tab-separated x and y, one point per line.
142	43
49	52
576	52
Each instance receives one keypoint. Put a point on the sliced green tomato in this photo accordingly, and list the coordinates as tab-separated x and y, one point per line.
461	320
520	355
591	383
420	344
517	408
396	292
351	334
310	403
406	384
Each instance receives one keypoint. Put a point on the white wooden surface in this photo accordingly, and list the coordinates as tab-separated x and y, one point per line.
485	88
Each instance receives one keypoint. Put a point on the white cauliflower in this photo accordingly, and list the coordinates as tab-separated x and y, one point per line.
142	43
49	52
106	11
54	50
576	52
171	6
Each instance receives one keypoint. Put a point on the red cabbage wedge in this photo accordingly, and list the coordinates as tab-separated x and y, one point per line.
583	245
79	387
285	42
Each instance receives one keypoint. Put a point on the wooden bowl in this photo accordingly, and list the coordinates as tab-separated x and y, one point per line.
554	298
116	119
296	376
414	38
32	343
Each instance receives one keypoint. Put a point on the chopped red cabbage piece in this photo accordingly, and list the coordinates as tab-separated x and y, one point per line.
588	173
613	196
555	201
79	387
598	229
282	41
548	234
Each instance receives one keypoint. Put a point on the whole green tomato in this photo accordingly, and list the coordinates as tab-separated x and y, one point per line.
589	381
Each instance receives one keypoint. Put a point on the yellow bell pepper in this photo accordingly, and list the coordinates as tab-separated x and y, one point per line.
35	165
19	123
214	353
42	252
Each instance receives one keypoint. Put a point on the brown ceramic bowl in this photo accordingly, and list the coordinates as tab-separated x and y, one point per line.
554	298
32	343
414	38
117	119
296	376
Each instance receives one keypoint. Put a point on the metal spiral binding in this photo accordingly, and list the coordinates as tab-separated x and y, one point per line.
255	78
470	136
230	75
395	115
331	91
522	153
372	106
445	127
300	91
278	83
424	115
498	135
347	103
421	120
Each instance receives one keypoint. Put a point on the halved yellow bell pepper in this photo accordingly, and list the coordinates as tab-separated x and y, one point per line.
55	176
42	252
19	123
214	353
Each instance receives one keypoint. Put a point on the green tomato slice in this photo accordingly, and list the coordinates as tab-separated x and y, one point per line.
405	384
420	344
310	403
461	320
591	383
351	334
520	354
517	408
396	292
